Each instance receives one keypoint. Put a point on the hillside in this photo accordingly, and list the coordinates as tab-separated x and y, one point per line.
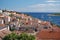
18	23
54	14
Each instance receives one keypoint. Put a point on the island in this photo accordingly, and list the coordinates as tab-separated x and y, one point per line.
54	14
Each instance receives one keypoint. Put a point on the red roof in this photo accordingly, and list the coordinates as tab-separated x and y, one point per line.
2	25
49	34
3	33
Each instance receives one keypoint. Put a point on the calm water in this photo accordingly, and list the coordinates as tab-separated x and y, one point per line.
44	16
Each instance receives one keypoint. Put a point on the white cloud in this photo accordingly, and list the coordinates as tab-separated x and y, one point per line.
52	1
43	5
42	8
37	5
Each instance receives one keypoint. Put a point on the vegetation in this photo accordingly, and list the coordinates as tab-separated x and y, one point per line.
55	24
22	36
54	14
12	28
11	15
19	18
11	36
52	23
58	26
18	13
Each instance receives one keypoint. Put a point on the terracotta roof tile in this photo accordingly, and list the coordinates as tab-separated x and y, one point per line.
48	34
1	34
1	25
4	32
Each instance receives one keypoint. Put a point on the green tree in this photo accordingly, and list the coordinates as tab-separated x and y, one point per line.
12	28
11	36
11	15
31	37
22	36
25	36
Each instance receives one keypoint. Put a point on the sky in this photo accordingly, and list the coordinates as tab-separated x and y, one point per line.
31	5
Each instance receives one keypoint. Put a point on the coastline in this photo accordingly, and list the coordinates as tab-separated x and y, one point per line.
55	14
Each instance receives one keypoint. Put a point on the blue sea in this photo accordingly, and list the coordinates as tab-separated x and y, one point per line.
45	17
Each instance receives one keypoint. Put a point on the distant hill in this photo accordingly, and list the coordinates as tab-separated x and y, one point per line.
54	14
